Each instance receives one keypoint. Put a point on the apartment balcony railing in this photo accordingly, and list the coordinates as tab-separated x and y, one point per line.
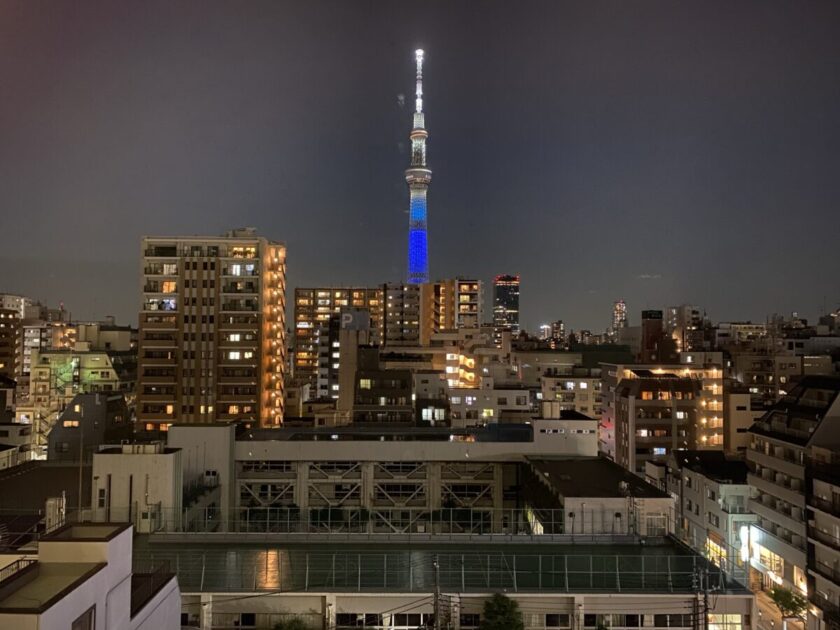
12	570
831	507
828	472
826	539
828	572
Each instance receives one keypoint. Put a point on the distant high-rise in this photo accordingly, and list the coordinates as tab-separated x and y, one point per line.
212	330
418	177
619	319
685	325
505	305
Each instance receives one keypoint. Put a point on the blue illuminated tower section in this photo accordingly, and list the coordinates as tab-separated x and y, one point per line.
418	177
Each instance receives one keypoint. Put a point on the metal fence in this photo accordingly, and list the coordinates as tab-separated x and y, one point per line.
373	522
297	570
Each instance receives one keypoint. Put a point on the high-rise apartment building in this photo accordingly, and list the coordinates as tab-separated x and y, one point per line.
823	503
804	420
10	333
619	317
650	410
338	340
684	323
313	309
505	305
652	335
402	315
212	330
448	305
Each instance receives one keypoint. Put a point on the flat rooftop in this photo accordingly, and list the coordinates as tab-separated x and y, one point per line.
25	488
593	477
713	465
41	584
87	532
501	432
666	567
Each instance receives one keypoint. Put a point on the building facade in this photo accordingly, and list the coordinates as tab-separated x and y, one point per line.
212	330
505	306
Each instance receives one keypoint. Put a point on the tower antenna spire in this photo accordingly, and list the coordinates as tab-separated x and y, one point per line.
418	94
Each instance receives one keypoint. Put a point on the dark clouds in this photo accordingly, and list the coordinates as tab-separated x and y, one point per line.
660	152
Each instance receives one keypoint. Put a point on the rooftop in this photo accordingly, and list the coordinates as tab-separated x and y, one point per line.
39	585
87	532
503	432
713	465
796	417
663	566
26	487
594	477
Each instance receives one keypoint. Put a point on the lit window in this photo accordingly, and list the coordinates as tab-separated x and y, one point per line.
70	423
170	409
248	354
681	415
233	409
235	337
364	383
234	355
583	385
659	450
77	408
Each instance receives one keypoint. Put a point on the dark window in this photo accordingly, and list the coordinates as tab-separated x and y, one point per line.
85	621
247	620
101	501
555	620
470	620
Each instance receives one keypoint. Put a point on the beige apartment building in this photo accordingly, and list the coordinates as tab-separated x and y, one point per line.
448	305
212	330
313	308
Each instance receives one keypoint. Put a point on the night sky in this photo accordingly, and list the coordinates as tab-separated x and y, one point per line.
662	152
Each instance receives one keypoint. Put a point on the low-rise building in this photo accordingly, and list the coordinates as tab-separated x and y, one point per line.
82	579
713	514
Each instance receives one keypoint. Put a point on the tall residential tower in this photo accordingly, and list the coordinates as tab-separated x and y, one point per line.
212	330
418	178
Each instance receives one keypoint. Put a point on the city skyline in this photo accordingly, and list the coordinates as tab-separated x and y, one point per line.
580	157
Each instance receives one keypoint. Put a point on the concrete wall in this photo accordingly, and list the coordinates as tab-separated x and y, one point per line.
134	485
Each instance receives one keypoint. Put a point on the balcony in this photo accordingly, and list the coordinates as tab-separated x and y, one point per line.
827	472
828	572
248	289
824	538
769	513
829	507
787	465
769	486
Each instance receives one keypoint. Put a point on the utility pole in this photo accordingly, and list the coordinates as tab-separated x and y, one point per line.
437	593
81	459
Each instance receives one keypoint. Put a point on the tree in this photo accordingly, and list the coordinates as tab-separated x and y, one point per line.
790	603
501	613
295	623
